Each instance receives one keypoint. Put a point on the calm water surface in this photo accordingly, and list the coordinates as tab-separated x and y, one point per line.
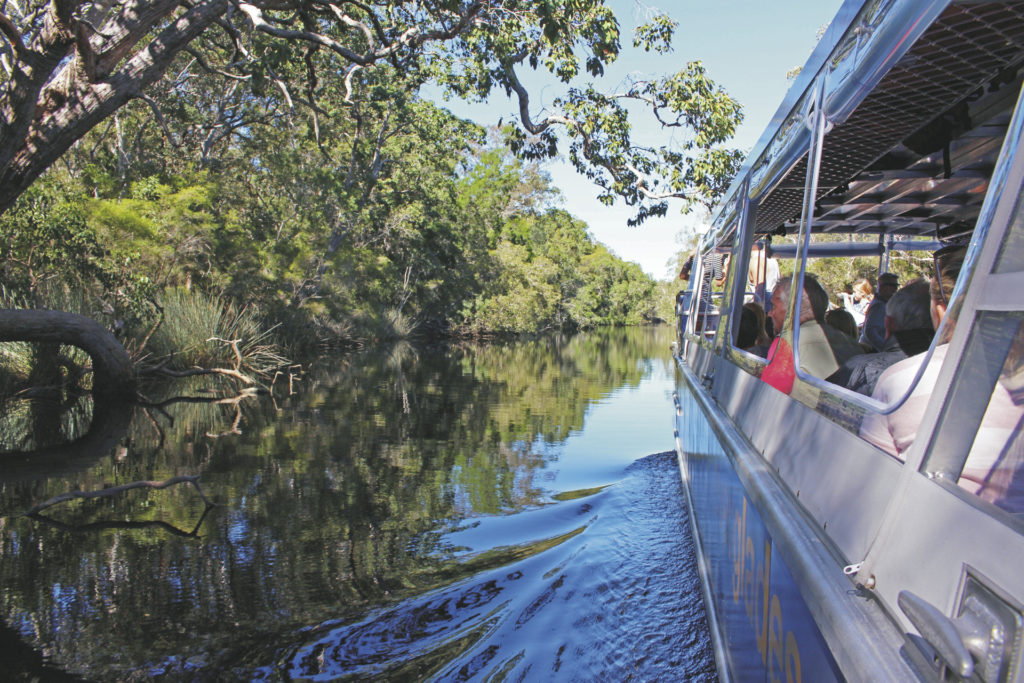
500	512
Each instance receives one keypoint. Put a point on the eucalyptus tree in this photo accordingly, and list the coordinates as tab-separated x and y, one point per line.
68	65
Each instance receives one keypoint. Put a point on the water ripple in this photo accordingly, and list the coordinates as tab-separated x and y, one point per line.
598	586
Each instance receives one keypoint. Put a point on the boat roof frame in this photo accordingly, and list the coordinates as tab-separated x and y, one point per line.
862	45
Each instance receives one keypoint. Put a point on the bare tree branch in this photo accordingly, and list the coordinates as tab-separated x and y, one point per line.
10	31
155	108
113	490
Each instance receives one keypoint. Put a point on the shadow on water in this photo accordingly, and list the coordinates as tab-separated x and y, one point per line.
433	513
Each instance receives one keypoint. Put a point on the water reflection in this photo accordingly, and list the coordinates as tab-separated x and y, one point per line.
406	514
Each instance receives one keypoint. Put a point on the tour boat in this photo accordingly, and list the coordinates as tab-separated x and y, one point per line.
825	551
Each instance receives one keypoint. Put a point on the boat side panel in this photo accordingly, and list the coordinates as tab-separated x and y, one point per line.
790	628
769	632
816	458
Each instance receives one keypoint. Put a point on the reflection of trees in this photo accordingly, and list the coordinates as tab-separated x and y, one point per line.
330	501
107	426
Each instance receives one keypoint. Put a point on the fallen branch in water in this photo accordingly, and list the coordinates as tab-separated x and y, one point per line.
233	343
122	525
234	425
195	372
103	493
292	377
248	392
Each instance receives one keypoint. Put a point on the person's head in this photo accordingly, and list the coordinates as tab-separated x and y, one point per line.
747	335
888	283
842	320
862	289
947	270
684	272
780	302
909	308
757	310
818	298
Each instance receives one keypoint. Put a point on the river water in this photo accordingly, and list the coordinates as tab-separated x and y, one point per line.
502	512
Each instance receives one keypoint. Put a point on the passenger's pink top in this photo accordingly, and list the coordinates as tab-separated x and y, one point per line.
995	466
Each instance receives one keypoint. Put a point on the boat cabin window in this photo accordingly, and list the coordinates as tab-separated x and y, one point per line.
756	274
706	271
979	441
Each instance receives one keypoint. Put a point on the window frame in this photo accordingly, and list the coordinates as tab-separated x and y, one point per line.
848	408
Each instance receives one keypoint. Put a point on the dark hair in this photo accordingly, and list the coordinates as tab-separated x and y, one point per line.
842	320
747	335
908	308
948	262
818	296
763	337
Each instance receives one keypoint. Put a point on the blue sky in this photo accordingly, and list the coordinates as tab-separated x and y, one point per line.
747	47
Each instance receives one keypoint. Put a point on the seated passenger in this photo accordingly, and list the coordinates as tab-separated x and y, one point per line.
842	320
908	328
822	349
873	332
752	336
842	346
896	431
992	468
857	303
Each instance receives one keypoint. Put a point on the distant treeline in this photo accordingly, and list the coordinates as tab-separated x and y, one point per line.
210	213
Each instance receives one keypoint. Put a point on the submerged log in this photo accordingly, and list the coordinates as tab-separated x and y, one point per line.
113	490
113	373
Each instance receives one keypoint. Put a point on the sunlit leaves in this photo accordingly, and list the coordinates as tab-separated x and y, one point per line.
656	34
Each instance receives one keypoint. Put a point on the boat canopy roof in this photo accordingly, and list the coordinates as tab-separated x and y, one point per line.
916	118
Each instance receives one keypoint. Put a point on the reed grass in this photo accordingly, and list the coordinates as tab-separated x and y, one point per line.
394	325
197	330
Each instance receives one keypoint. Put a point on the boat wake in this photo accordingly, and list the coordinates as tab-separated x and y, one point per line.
601	584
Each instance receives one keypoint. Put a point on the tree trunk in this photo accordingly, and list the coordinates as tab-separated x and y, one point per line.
112	370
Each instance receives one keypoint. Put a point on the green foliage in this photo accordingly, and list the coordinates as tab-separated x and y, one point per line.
46	238
656	34
613	292
546	272
838	274
374	218
198	330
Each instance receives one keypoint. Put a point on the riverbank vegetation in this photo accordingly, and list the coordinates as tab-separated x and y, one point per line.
275	238
259	184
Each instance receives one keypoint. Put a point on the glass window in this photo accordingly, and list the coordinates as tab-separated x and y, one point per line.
707	272
750	321
980	442
1011	254
714	268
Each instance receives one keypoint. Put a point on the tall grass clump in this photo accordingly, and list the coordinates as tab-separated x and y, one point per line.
197	329
15	357
393	325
